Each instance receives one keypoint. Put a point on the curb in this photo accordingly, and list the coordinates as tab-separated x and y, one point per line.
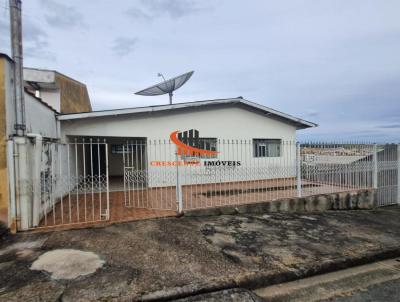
256	280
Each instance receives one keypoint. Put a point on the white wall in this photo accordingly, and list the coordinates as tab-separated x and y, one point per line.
52	97
223	123
39	75
40	119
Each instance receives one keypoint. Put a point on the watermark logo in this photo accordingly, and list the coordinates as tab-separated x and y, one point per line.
192	148
190	144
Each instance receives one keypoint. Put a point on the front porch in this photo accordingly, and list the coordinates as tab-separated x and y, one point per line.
87	208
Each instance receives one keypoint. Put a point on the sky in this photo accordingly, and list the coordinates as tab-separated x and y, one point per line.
332	62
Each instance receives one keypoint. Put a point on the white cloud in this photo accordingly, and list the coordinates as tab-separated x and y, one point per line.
332	62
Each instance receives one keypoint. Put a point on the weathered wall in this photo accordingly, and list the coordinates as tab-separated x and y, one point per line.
3	144
351	200
74	95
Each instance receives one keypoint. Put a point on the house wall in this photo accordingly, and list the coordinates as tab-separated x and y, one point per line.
5	84
40	119
52	97
223	122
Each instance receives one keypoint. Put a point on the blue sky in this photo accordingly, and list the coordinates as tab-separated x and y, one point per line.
333	62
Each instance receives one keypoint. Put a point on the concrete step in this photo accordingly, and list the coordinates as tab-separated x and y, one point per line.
336	284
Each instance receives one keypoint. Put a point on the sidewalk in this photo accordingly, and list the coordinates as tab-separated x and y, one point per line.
178	257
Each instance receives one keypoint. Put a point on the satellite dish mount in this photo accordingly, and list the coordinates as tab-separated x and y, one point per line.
168	86
169	93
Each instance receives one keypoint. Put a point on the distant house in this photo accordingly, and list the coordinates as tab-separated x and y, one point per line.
62	93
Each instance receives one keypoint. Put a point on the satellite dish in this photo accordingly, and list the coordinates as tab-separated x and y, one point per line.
168	86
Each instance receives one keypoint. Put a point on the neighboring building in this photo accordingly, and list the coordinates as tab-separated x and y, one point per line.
59	91
58	94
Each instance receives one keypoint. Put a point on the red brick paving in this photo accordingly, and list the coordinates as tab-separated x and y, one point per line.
67	213
161	202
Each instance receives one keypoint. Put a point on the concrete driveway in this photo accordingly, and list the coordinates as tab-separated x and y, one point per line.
177	257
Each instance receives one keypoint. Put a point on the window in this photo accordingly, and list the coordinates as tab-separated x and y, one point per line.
205	143
208	144
266	147
127	148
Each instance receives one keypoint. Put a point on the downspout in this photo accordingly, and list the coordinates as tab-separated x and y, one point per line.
36	168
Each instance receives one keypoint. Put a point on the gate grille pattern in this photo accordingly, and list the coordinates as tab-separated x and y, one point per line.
142	187
73	184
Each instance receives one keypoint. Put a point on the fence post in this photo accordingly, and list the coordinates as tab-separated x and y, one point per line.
298	170
36	168
398	173
108	181
375	167
178	185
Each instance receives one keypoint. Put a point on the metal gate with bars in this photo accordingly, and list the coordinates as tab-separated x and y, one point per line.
73	186
144	187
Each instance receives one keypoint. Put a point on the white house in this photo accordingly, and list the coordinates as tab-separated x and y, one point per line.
236	128
154	156
138	151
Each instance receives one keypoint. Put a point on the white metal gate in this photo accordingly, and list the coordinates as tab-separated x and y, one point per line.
135	176
144	186
73	186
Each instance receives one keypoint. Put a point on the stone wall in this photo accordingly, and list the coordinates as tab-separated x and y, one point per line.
352	200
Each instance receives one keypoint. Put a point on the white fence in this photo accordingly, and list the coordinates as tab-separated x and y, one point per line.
246	171
388	175
74	184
